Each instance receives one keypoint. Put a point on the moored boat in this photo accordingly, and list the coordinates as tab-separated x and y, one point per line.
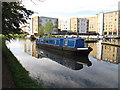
67	45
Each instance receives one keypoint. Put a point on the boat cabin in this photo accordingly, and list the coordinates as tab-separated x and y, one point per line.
64	42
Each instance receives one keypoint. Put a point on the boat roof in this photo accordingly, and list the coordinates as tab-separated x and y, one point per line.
60	38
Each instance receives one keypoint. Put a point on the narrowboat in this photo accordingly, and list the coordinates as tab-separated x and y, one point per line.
67	45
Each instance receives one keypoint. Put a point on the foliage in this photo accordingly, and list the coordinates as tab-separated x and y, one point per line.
50	36
41	30
13	14
48	28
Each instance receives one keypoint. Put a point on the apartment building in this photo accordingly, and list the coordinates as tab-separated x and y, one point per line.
100	17
37	22
59	24
74	24
79	25
111	23
105	23
92	24
65	24
82	25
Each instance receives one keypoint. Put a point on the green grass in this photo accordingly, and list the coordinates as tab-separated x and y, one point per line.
20	75
53	36
18	35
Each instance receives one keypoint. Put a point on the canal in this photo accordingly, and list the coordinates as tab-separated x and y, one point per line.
57	70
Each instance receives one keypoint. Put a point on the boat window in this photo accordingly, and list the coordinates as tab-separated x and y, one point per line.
51	41
55	41
41	40
46	41
65	42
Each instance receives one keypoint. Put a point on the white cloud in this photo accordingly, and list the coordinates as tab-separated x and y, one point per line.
49	7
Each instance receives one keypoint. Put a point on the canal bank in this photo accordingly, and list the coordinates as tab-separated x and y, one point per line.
7	79
14	75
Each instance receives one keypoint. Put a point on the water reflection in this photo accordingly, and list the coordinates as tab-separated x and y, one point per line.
104	52
55	75
30	48
75	63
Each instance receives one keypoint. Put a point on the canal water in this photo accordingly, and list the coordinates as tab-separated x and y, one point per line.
57	70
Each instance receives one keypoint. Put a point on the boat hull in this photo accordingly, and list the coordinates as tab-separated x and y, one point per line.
66	50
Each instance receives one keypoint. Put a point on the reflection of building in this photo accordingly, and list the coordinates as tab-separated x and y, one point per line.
105	52
37	22
110	53
97	49
30	48
94	51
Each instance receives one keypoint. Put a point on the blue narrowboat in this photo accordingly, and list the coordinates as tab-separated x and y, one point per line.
67	45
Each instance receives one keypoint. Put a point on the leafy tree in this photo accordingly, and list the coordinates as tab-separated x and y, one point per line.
13	14
48	27
41	30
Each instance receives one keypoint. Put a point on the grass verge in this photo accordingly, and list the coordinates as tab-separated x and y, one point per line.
21	77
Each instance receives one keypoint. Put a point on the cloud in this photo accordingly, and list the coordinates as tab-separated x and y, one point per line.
49	7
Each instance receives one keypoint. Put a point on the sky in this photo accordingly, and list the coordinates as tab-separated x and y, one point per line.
70	8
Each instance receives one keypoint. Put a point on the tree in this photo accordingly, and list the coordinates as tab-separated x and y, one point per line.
41	30
13	14
48	27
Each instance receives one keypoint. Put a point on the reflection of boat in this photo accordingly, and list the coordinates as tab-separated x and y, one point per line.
74	62
68	45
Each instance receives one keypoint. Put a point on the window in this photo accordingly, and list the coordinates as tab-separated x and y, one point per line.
110	33
105	33
55	41
51	41
41	40
40	20
105	47
65	42
118	33
114	33
46	41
